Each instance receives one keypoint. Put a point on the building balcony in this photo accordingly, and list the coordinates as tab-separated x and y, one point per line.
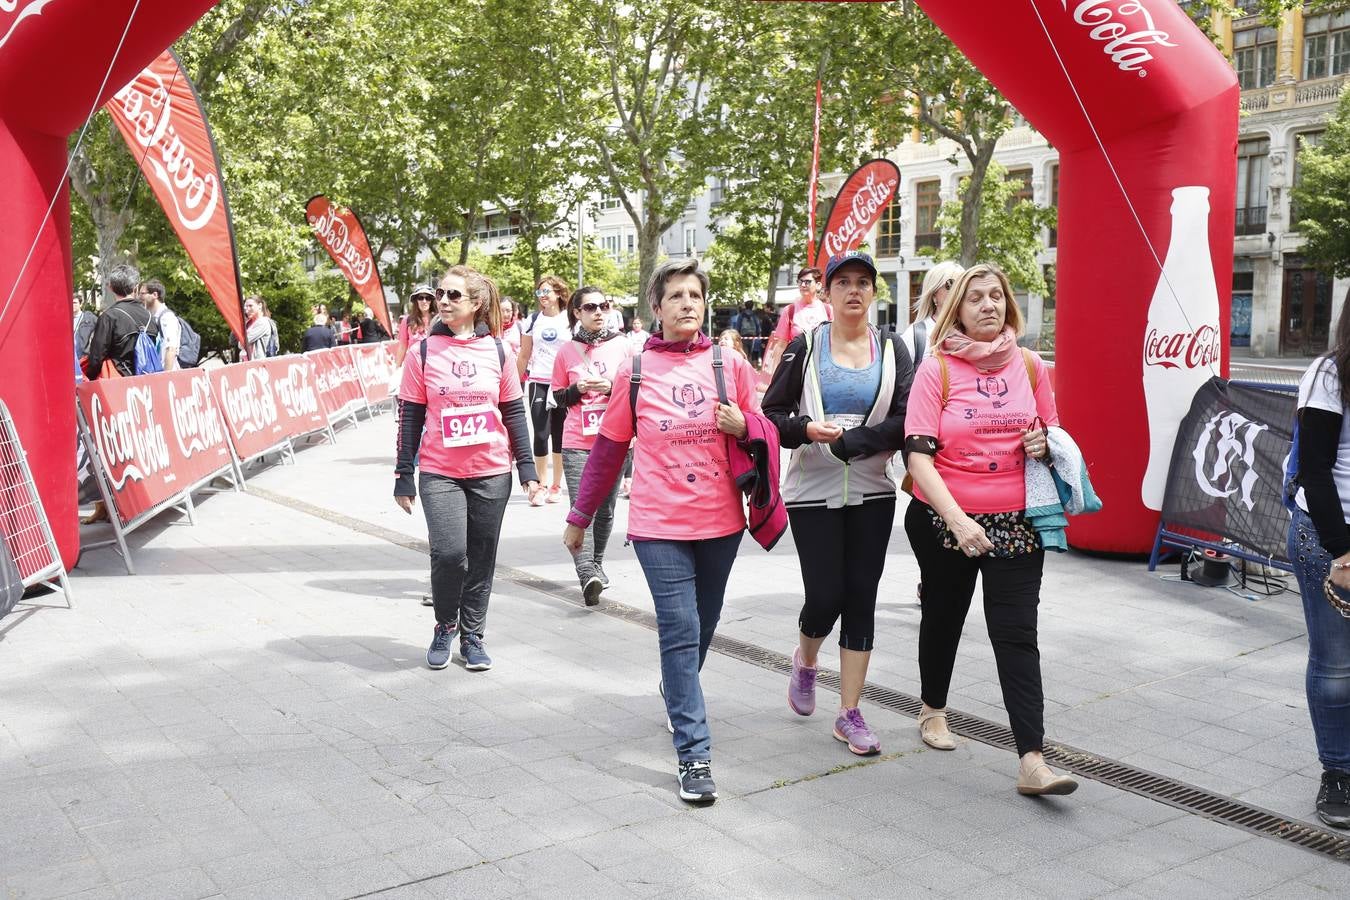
933	239
1250	220
1289	96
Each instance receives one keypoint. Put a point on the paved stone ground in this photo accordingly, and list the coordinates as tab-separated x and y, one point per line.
252	717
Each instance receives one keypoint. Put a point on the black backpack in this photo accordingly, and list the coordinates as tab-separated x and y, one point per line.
189	345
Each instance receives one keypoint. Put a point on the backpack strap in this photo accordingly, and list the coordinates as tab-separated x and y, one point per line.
423	351
501	353
1031	368
920	342
634	380
719	375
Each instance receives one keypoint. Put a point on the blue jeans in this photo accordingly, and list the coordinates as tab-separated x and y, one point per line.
687	580
1328	679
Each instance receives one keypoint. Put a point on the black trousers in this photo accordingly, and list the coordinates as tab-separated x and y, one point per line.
546	423
1012	592
842	554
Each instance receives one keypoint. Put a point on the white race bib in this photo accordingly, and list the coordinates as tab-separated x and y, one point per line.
464	426
845	420
591	413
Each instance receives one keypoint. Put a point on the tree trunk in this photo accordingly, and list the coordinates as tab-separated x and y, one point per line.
649	251
970	204
776	257
466	237
108	213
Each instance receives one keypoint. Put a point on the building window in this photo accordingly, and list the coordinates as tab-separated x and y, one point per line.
915	291
1022	178
1054	204
1240	310
1326	45
609	242
632	243
608	203
690	240
1254	52
718	192
888	230
1253	156
927	205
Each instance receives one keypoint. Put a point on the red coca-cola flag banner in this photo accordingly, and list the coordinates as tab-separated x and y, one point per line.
162	121
857	207
156	435
340	232
337	380
815	181
268	401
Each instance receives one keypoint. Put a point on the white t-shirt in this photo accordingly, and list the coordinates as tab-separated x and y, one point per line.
549	334
637	339
910	336
171	336
1321	389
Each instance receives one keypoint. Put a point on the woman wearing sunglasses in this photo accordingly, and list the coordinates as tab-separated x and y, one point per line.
543	335
583	376
462	423
804	314
414	326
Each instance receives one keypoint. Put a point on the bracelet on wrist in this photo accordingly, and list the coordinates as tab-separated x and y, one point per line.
1340	565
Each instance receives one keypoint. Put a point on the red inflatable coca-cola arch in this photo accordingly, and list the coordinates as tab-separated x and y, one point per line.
1139	104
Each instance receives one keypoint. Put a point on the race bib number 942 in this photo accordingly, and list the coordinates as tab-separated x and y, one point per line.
464	426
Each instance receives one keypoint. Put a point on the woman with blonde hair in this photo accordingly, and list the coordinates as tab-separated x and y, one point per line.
936	283
979	408
731	339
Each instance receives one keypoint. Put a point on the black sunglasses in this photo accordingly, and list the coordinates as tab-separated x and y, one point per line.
805	281
448	295
593	307
423	296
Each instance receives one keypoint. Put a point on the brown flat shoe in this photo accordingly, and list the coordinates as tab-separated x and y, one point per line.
100	514
1043	782
933	730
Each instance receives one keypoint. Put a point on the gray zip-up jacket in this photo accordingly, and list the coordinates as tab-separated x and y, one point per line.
855	468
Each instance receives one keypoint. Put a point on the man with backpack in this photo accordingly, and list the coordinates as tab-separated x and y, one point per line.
170	331
120	326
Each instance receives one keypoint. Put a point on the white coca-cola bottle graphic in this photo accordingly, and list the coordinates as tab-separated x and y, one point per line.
1182	339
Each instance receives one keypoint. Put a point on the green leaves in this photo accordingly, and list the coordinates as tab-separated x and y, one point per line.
1322	197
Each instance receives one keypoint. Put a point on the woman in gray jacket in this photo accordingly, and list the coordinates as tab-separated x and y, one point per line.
838	399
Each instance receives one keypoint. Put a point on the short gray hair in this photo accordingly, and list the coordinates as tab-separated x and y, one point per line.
123	280
656	288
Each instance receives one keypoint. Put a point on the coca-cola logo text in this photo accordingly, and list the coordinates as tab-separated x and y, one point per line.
871	197
330	229
150	112
1127	48
1198	349
130	439
296	393
33	8
251	406
196	423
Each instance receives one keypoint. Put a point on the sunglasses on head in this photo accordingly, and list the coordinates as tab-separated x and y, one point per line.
947	285
595	307
448	295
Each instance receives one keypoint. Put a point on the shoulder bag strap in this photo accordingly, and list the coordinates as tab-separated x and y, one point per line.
920	342
719	375
1031	368
946	379
634	379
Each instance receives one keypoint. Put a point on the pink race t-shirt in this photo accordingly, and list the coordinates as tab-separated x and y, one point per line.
463	388
682	484
574	361
800	318
979	431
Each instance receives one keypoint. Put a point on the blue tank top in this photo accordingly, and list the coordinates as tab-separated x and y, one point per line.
845	391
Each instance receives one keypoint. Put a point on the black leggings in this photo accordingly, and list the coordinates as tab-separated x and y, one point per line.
545	422
1012	591
842	553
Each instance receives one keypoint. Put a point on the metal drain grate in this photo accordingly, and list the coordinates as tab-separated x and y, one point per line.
1177	794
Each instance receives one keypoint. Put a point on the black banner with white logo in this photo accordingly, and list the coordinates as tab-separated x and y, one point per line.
1227	471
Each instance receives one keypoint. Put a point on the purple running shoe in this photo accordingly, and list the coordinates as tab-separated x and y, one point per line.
852	730
801	686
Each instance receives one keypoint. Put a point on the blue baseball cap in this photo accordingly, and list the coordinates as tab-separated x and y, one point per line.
843	259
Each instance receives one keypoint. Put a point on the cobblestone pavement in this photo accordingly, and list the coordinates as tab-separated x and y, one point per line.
252	717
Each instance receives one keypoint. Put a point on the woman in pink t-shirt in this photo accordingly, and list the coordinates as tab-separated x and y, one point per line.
511	328
685	517
804	314
462	422
583	378
975	414
414	326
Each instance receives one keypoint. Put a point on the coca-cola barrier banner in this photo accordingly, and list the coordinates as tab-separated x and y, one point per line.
375	364
338	380
58	59
268	401
157	435
340	232
857	208
162	121
1144	112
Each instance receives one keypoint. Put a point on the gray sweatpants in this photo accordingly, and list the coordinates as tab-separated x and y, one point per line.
464	521
592	553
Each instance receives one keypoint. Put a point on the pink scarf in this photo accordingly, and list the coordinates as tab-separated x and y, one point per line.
986	356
